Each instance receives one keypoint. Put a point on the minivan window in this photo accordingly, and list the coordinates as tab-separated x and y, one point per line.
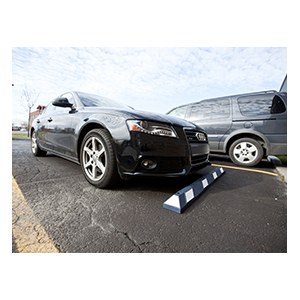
261	105
210	110
178	112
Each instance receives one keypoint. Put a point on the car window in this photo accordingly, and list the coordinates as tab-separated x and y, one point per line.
99	101
178	112
277	106
210	110
49	109
261	105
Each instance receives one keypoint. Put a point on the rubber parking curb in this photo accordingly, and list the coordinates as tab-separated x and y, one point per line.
186	196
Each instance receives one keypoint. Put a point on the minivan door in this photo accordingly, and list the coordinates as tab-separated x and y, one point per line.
214	116
266	113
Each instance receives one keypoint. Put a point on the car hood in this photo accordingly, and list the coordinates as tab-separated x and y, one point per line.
160	118
150	116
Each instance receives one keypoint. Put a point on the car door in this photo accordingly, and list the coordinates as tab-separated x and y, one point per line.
60	128
42	126
214	116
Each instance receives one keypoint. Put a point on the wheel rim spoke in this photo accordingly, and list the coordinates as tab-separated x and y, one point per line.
252	148
94	168
251	157
88	151
240	158
100	166
94	144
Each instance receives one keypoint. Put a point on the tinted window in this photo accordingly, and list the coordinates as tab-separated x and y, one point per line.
210	109
95	100
178	112
49	109
277	105
261	105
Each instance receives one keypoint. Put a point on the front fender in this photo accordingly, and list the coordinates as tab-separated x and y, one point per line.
116	125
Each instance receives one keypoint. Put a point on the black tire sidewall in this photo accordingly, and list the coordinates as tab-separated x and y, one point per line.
251	141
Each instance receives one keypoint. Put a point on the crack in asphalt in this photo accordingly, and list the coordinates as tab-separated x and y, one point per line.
127	236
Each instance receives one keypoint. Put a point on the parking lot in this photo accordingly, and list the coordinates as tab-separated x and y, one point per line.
243	211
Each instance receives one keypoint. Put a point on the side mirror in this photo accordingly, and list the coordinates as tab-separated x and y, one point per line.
62	102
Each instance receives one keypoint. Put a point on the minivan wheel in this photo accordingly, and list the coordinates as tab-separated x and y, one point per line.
246	152
97	159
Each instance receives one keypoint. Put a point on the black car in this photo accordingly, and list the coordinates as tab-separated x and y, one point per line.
247	127
111	140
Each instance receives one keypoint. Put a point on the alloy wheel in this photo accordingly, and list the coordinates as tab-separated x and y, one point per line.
245	152
94	158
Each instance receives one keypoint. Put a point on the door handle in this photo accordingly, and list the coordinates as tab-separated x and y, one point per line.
50	119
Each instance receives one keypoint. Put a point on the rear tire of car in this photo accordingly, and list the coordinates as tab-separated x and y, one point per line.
97	159
246	152
36	150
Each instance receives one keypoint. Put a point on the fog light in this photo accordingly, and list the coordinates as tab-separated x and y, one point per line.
149	164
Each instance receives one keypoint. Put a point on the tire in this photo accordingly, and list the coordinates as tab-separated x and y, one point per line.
36	151
246	152
97	159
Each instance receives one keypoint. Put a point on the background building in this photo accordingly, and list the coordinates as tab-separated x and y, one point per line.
35	114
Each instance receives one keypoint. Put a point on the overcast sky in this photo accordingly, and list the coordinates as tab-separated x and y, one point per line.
151	79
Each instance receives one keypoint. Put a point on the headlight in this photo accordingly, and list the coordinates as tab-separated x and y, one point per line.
201	137
151	128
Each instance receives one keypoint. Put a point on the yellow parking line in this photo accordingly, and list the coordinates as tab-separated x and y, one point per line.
28	234
244	169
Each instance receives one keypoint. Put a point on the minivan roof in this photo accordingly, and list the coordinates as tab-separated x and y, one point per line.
235	95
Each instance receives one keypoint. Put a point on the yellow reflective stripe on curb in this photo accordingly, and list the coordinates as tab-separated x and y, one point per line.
28	234
244	169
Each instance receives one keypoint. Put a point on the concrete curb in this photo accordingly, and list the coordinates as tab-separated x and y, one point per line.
282	171
21	139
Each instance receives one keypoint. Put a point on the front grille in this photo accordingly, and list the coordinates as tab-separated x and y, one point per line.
170	165
191	136
198	159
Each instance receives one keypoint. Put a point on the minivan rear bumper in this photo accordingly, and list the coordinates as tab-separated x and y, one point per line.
278	149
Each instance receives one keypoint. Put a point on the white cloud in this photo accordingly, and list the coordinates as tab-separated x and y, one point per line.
153	79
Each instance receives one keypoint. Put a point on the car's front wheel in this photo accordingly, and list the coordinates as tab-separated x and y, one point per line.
246	152
35	147
97	159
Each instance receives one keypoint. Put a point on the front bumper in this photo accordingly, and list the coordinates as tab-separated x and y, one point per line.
170	156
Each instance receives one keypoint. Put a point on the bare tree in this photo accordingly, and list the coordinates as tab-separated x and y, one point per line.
28	100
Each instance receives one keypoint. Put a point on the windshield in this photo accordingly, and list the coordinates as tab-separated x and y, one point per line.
99	101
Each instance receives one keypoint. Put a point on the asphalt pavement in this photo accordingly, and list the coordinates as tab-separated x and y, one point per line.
244	211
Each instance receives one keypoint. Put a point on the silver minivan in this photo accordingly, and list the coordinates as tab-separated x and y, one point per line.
246	127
